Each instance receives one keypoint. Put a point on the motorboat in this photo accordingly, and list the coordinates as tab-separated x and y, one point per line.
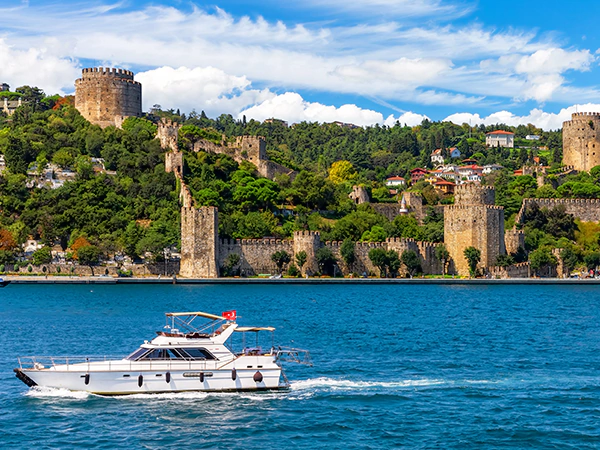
4	282
192	352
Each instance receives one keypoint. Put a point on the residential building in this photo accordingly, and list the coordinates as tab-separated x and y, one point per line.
489	168
9	106
454	152
437	157
447	187
395	181
417	174
500	138
278	121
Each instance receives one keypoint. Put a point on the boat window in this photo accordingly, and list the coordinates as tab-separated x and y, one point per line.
137	354
196	353
157	353
178	354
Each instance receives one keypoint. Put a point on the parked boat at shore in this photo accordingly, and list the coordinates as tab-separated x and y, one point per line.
186	356
4	282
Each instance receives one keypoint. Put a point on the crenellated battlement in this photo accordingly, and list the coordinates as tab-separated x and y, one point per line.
307	233
582	116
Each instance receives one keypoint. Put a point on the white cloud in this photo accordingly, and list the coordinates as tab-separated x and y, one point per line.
292	108
554	60
200	88
37	67
539	118
401	74
409	118
384	58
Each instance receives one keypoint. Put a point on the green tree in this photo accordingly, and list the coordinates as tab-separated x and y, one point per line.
473	256
301	258
592	260
326	260
341	171
347	252
542	258
411	261
88	256
378	257
442	253
280	258
42	256
504	260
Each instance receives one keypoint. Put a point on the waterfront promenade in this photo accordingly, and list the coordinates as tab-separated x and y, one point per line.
24	279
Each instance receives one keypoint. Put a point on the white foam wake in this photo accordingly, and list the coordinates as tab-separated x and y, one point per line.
50	392
333	384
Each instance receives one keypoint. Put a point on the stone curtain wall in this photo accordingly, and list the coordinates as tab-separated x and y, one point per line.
519	270
584	209
255	254
581	141
107	96
138	270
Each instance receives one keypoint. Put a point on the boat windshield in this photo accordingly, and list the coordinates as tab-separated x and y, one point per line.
135	355
171	353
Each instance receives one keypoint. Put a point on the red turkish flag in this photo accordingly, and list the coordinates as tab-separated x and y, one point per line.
229	315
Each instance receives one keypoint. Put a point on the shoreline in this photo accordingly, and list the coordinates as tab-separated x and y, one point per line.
378	281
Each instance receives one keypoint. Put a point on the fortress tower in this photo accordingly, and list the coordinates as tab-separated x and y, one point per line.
107	96
474	221
581	141
199	242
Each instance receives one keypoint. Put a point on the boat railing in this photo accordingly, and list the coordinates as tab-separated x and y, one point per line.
296	355
112	363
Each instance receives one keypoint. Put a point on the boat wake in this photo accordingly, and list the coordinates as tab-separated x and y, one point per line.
49	392
333	384
298	390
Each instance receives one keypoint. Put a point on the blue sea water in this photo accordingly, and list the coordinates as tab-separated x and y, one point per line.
407	366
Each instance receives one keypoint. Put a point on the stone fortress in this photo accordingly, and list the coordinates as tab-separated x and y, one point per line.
473	220
203	253
581	141
107	96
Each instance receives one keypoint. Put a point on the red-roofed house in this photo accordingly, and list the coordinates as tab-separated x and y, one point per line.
395	181
447	187
417	174
500	138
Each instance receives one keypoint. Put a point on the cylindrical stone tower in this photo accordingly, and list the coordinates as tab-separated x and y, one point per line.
107	96
581	141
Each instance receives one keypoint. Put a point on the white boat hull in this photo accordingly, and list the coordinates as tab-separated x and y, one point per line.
140	380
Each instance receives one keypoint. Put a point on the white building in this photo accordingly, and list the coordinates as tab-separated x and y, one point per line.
489	168
437	157
500	138
395	182
532	137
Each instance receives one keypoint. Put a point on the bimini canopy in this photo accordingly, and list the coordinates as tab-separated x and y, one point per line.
245	329
199	313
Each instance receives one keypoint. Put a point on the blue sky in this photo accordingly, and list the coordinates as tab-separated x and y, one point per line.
375	61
